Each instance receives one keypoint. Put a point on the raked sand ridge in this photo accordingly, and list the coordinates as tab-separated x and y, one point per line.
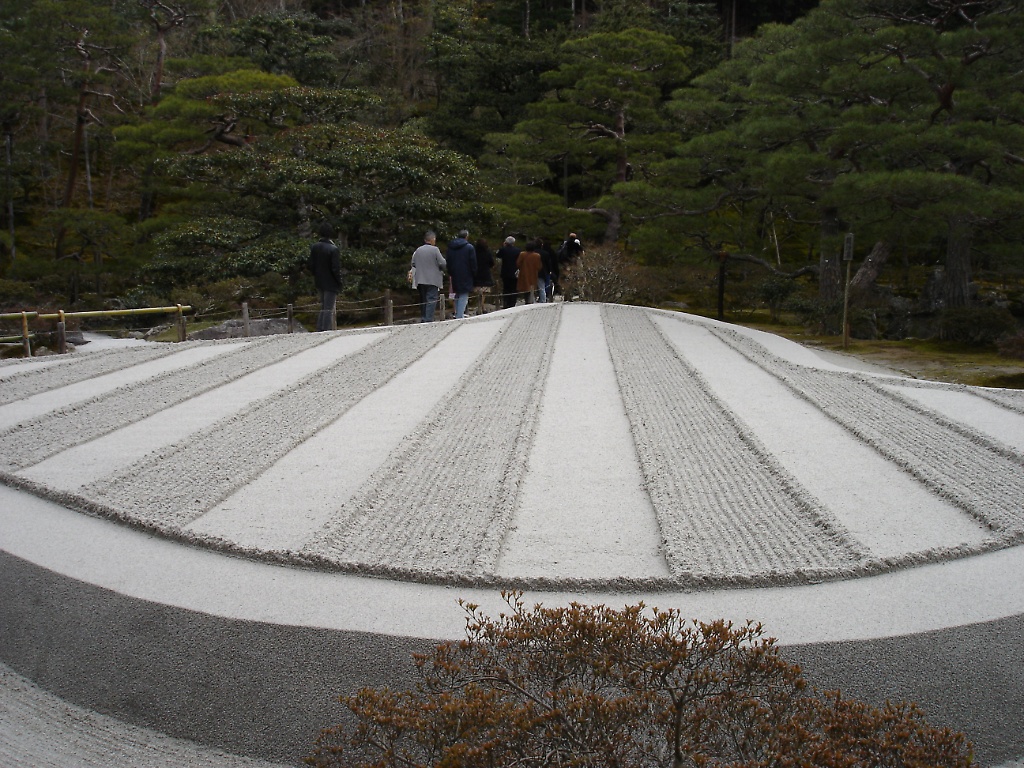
577	451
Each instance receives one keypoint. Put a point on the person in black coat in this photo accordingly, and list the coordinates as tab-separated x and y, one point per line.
549	264
325	264
461	258
483	280
509	255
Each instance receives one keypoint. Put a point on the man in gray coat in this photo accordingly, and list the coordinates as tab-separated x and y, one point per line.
427	266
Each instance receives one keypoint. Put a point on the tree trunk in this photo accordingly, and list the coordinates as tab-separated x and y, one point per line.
161	55
830	271
76	154
613	226
956	287
864	280
9	139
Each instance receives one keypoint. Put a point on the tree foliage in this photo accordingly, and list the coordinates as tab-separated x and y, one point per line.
637	123
899	121
592	686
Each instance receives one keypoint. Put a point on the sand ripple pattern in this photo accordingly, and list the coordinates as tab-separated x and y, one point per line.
440	507
982	477
174	486
728	511
82	368
36	439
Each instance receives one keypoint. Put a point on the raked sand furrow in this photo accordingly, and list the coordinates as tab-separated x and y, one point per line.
883	507
285	506
47	435
442	504
68	396
583	440
972	471
1010	399
728	511
960	404
174	486
102	456
73	370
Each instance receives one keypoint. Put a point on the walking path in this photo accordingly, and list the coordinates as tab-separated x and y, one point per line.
364	481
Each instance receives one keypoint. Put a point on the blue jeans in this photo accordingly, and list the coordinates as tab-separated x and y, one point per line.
428	300
542	290
461	301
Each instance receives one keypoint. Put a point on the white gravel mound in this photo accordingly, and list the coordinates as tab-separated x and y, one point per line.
563	446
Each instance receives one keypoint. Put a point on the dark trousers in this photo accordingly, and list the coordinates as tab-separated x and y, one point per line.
327	320
510	292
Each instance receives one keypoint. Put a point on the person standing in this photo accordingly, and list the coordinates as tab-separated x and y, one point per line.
428	277
483	280
461	258
530	278
550	268
568	253
325	263
509	255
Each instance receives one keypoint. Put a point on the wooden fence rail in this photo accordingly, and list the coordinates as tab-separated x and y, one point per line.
60	316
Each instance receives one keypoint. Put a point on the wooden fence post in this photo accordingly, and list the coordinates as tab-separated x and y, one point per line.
389	308
245	317
24	334
62	336
179	322
291	319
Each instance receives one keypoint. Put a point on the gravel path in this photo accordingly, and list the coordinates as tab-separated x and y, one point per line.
52	433
727	509
40	730
176	485
984	479
443	502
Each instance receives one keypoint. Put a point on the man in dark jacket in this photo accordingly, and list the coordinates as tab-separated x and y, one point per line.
461	258
509	255
325	264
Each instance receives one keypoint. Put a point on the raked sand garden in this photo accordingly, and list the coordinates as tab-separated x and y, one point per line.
575	451
555	446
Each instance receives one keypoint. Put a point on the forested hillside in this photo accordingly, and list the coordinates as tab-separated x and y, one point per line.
185	151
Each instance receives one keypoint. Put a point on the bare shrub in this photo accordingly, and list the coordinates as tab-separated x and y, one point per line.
634	688
602	274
